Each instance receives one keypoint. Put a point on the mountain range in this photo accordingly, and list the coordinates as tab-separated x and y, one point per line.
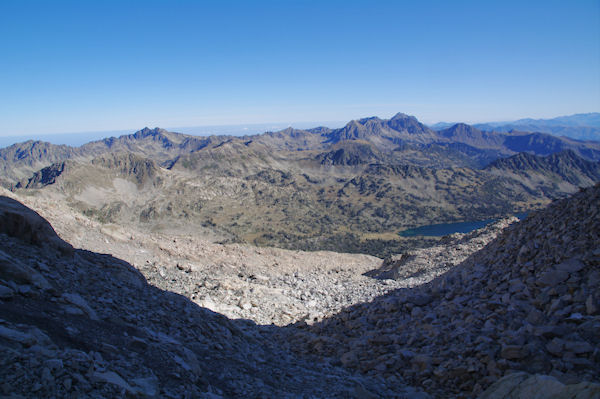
577	126
144	265
347	189
94	310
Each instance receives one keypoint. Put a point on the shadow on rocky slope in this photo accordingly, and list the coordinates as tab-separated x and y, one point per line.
74	323
526	302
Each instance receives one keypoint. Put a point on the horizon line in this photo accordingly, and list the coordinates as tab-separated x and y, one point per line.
286	123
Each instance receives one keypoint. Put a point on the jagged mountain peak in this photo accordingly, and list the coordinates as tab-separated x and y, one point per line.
379	130
401	116
32	145
319	130
288	129
408	123
460	130
28	143
354	123
352	131
463	127
371	119
146	131
156	134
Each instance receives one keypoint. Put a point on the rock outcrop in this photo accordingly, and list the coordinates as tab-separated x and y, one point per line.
27	226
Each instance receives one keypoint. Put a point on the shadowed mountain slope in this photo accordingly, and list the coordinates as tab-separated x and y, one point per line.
527	301
21	160
78	323
564	166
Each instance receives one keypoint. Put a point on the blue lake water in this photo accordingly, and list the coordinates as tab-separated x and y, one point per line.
442	229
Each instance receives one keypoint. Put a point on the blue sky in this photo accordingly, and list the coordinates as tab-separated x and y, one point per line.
110	65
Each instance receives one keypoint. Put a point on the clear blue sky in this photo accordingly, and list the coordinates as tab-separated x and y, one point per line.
107	65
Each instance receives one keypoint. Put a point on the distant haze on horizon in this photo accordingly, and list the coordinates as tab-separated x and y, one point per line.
80	138
119	66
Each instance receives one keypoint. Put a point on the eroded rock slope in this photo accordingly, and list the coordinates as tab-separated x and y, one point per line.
527	301
75	323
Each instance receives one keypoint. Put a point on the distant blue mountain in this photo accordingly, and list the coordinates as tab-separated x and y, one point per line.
578	126
441	126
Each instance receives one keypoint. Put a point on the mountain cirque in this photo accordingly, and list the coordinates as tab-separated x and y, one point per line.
266	285
75	322
347	190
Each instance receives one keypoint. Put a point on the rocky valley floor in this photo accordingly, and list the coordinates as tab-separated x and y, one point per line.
265	285
75	323
147	320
